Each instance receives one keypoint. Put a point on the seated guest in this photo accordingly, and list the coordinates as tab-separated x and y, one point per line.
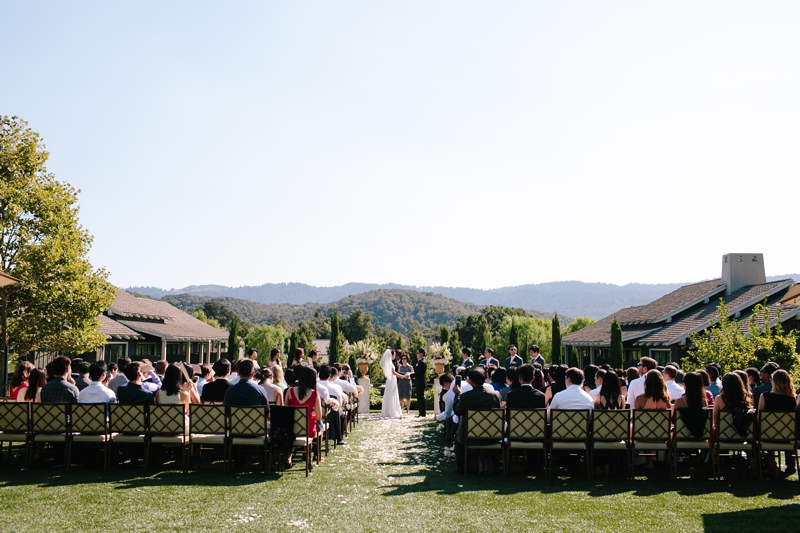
655	395
512	383
446	380
32	391
694	394
598	381
636	386
499	379
476	398
111	371
119	380
713	376
277	378
160	368
558	384
206	376
782	397
304	394
20	378
706	382
538	380
245	392
753	378
336	398
609	397
732	396
151	381
60	389
274	393
589	372
176	389
96	392
573	397
525	396
675	391
214	391
133	392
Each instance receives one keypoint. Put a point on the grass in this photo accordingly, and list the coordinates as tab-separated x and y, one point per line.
391	476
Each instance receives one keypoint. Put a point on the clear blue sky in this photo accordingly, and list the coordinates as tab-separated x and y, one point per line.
478	144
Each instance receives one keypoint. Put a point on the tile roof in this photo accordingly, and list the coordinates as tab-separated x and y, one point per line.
600	331
127	305
114	330
673	301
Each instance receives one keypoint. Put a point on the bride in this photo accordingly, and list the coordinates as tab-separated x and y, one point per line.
391	399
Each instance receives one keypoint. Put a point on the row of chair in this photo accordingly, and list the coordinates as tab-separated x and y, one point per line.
206	425
628	431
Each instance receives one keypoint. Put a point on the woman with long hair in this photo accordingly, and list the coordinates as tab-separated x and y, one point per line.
734	395
706	382
559	383
694	395
277	378
538	381
781	398
610	397
304	394
176	389
274	393
32	391
589	372
655	395
20	379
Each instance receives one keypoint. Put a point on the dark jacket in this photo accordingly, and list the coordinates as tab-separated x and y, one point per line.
421	374
477	398
134	394
244	394
761	389
525	397
467	363
215	391
59	390
513	361
490	361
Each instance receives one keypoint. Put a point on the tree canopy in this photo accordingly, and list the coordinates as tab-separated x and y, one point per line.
57	304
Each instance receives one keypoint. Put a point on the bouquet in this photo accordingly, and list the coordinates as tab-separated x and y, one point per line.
440	353
362	352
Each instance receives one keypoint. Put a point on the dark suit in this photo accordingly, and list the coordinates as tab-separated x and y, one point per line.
420	374
467	363
477	398
245	394
215	391
525	397
761	389
513	361
134	394
490	361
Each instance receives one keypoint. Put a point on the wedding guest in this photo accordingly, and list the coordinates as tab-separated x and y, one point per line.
32	391
675	391
404	383
206	376
175	389
636	387
20	378
732	396
214	391
538	381
299	353
753	378
609	397
277	378
304	394
120	380
694	395
512	383
536	357
513	359
589	371
133	392
252	354
446	380
274	393
160	368
706	382
96	392
782	397
111	370
766	376
466	362
313	359
525	396
81	375
476	398
60	389
655	396
573	397
335	392
275	357
559	375
291	380
598	381
714	382
488	359
421	381
246	392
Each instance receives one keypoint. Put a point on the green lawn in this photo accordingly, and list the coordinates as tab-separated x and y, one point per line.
390	477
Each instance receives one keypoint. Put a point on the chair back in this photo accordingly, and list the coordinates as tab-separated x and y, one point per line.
208	419
248	421
89	418
727	429
569	425
128	419
776	426
14	417
682	431
527	424
651	425
167	419
300	425
485	424
611	426
50	417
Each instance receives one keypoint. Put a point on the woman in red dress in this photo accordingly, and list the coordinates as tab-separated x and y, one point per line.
304	394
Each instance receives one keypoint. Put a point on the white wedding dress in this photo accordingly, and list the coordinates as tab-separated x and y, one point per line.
391	399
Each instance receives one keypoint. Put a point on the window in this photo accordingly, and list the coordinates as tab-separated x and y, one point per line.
115	351
662	357
176	348
145	350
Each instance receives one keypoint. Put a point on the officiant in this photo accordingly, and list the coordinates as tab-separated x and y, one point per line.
420	380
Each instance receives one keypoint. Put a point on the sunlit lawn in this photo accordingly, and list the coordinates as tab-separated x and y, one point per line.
391	476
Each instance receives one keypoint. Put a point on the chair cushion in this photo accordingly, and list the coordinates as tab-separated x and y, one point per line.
169	439
777	446
526	445
13	437
50	437
692	444
605	445
734	446
80	437
205	438
562	445
495	446
650	445
249	441
303	442
128	438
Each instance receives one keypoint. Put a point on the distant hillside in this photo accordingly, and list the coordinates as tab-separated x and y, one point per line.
396	309
571	298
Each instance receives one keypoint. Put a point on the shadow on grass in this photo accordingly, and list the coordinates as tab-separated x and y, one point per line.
776	519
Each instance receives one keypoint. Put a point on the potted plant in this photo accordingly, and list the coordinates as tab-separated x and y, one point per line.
440	355
364	356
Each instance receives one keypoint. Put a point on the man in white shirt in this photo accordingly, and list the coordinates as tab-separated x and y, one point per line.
120	380
343	383
636	387
675	391
573	397
328	376
96	392
598	380
206	375
252	354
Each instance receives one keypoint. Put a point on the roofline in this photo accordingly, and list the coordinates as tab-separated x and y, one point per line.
719	288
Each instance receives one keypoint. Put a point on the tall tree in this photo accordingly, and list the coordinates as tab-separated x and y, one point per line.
556	341
616	352
357	326
444	333
233	339
512	335
483	339
57	304
263	339
293	344
334	348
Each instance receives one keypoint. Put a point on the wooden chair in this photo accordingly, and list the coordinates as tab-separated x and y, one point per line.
249	427
128	425
729	442
484	429
611	433
651	432
302	439
90	426
776	433
50	423
527	431
167	425
14	427
208	426
684	442
569	430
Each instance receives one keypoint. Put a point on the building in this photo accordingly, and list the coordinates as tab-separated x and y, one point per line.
661	329
141	328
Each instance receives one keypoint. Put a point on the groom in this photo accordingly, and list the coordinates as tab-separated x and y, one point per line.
420	374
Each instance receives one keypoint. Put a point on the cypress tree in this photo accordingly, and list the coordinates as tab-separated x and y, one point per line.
512	334
444	334
233	340
615	354
333	349
293	345
556	341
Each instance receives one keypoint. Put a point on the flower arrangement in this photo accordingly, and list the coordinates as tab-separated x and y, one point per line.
439	353
362	352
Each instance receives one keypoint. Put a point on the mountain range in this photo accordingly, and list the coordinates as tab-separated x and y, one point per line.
571	298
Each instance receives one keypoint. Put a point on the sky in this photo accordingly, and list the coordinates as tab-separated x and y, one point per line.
474	144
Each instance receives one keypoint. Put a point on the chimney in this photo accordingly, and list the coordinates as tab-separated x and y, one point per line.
741	270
